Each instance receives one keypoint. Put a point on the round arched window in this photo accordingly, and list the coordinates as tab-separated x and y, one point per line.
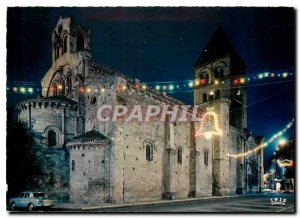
94	100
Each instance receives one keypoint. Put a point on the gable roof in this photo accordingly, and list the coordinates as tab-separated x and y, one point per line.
218	46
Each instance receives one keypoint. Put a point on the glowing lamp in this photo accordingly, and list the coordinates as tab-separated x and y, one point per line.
203	81
217	82
102	89
285	74
191	84
22	89
235	82
60	87
30	90
157	87
124	87
272	74
88	90
144	87
171	87
81	89
242	80
15	89
211	93
164	87
266	74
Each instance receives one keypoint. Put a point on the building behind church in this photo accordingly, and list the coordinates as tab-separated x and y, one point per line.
121	161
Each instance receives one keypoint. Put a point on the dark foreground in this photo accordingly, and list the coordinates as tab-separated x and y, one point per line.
245	204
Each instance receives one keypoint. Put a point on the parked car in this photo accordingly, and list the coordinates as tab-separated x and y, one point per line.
31	200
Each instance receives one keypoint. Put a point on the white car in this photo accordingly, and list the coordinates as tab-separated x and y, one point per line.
31	200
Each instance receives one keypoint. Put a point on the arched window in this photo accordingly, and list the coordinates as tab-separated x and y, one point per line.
52	138
221	72
73	165
205	153
204	97
216	73
218	93
56	52
80	42
61	87
65	43
69	84
149	152
179	156
211	96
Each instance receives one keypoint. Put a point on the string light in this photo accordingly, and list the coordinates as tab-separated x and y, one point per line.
60	87
102	89
197	82
263	144
157	87
88	90
144	87
22	89
15	89
285	163
30	90
217	82
191	84
209	134
171	87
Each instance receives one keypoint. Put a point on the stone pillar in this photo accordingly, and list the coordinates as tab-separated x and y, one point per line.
220	147
170	163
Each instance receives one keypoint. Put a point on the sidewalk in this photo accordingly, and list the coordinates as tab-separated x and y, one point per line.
73	206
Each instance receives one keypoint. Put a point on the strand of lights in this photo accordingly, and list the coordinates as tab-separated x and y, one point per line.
280	133
285	163
209	134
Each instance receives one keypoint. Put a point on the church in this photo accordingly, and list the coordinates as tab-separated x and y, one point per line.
118	161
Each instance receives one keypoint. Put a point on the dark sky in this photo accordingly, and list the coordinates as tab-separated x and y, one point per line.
162	44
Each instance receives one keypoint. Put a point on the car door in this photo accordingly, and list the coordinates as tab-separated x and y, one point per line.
18	200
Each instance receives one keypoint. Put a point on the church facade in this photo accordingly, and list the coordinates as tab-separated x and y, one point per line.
121	161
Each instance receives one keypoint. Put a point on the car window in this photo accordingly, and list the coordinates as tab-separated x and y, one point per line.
39	195
30	195
22	195
27	195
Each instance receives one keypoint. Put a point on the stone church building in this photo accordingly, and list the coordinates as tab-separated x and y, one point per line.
139	161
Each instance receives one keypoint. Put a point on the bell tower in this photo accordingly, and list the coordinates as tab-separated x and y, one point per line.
219	75
68	37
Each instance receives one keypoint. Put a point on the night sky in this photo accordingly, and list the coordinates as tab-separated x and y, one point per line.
162	44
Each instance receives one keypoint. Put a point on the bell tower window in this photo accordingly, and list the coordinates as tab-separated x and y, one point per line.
52	141
65	44
80	42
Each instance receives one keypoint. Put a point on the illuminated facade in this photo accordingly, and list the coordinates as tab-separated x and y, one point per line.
140	161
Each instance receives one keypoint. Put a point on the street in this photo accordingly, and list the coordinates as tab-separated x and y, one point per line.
260	203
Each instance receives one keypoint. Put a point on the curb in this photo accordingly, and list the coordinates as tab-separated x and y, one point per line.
157	202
